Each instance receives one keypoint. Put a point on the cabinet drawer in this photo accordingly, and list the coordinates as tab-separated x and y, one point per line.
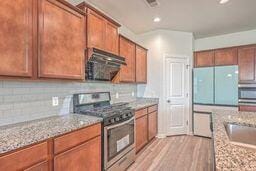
247	108
140	113
24	158
73	139
152	109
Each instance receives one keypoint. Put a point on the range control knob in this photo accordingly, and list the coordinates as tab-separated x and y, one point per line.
117	119
112	120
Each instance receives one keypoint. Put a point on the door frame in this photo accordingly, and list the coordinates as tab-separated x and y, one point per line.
189	88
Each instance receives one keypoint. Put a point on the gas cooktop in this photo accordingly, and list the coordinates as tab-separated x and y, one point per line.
98	104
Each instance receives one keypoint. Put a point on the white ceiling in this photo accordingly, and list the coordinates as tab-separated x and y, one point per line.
202	17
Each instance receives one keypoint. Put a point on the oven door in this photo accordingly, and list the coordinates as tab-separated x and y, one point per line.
118	140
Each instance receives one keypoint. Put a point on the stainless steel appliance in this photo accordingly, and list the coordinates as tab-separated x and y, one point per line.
118	128
102	65
247	94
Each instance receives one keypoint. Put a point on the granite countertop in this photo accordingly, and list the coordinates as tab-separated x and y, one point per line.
140	103
227	155
22	134
19	135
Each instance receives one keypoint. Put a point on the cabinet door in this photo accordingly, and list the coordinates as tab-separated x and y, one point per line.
141	65
246	63
141	132
204	59
111	40
84	157
61	41
226	56
202	124
127	50
152	125
16	42
96	29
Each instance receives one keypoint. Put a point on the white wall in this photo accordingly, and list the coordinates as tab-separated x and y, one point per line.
160	42
227	40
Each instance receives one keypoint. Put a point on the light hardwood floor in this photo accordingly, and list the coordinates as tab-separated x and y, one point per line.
178	153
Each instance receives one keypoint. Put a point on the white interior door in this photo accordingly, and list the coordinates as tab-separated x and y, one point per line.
176	95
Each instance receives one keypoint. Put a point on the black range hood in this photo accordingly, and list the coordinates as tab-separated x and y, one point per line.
103	66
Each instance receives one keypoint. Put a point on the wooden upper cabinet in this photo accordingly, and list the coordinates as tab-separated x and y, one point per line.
141	65
61	41
16	42
102	31
246	63
127	50
111	39
226	56
95	30
204	59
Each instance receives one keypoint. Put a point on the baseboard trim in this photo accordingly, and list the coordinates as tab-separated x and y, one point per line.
161	136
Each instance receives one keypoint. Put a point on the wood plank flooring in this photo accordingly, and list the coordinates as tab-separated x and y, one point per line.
177	153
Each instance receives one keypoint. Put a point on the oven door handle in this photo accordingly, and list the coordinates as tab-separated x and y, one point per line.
120	124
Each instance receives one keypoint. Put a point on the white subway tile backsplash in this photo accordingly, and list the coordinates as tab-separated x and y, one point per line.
25	100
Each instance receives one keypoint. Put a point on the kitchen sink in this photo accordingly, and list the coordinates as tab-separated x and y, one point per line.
241	135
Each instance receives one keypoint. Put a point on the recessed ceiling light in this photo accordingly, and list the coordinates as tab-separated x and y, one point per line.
157	19
223	1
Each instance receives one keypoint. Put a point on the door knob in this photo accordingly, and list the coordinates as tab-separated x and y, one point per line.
168	101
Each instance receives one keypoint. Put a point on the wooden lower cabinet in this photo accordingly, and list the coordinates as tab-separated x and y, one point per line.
81	154
84	157
146	126
141	132
152	125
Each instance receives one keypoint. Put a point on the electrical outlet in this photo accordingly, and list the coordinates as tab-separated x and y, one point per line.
133	94
55	101
117	95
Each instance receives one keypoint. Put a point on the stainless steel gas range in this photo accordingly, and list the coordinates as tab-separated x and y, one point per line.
118	148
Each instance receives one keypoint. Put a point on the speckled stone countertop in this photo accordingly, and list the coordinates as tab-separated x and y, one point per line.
227	155
140	103
22	134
